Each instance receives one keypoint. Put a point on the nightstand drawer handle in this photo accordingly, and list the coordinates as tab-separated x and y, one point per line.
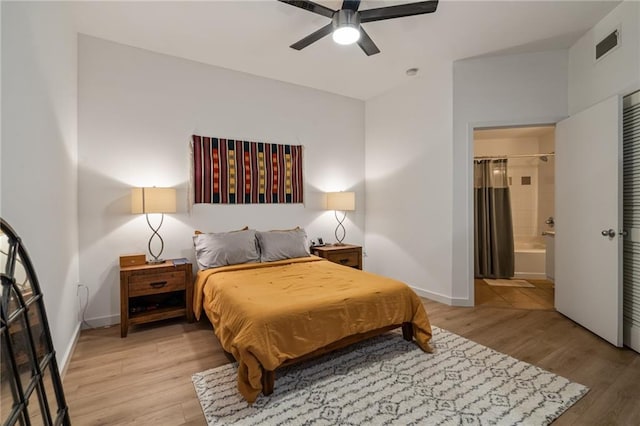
343	261
158	284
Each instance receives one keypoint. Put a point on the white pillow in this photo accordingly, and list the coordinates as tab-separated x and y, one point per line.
277	245
226	248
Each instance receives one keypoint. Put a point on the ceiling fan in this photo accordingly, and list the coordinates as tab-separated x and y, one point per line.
346	22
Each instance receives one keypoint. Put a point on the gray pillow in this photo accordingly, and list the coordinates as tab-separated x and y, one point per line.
226	248
277	245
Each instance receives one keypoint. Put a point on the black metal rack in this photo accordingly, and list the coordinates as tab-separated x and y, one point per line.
29	370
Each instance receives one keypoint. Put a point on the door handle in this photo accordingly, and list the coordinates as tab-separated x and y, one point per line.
608	233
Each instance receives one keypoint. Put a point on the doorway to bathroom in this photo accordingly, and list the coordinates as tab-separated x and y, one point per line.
514	187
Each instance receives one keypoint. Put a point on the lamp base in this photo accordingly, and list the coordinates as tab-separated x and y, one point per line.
156	256
339	228
339	244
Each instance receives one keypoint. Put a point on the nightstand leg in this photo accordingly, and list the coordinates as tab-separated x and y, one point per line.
124	313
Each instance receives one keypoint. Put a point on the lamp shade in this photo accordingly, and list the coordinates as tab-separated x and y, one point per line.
342	201
153	200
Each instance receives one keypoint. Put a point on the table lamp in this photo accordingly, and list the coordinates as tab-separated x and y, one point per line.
344	202
153	200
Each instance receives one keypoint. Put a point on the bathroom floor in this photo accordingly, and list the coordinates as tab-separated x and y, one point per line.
539	297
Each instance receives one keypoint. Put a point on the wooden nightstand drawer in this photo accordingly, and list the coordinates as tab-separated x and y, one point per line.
346	258
347	254
141	285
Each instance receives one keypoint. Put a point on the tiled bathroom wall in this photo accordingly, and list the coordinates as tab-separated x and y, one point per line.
546	185
531	180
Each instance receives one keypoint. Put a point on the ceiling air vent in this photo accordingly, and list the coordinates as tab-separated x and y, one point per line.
607	44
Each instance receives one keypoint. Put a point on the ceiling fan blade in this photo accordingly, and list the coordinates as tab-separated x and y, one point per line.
399	11
311	7
351	4
313	37
366	44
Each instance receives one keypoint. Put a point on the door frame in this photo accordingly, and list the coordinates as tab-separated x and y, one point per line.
471	127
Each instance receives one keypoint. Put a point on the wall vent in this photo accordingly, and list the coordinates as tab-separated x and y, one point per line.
607	44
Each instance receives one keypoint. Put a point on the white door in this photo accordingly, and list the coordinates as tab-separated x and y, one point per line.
588	284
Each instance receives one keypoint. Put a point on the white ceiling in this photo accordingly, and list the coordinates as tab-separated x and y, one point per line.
254	36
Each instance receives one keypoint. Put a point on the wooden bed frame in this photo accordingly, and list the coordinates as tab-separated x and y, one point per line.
269	376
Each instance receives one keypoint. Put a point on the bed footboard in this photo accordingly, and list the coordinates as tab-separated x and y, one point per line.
269	376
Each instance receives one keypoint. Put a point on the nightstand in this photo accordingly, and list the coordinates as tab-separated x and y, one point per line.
154	292
346	254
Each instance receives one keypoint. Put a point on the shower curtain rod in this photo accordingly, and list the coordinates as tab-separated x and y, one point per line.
499	157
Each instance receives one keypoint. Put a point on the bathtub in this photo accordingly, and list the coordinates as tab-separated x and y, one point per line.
530	255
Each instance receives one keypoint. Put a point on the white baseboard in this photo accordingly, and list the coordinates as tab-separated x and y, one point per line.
66	357
451	301
99	322
632	336
459	301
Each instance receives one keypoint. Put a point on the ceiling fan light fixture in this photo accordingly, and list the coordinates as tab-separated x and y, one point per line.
345	22
346	26
346	35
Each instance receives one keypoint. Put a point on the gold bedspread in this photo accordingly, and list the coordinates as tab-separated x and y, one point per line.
267	313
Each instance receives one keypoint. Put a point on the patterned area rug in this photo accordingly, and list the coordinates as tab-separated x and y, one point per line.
387	380
509	283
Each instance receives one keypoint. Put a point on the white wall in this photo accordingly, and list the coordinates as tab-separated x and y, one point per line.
137	110
504	90
616	73
39	152
408	170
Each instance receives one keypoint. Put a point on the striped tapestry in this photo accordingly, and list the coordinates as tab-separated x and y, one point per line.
228	171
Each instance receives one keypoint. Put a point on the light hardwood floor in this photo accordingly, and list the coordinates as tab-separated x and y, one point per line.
145	379
538	297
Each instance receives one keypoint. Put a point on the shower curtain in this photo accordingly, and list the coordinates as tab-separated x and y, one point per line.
494	256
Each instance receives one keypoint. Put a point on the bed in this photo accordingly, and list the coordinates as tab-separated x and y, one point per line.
269	314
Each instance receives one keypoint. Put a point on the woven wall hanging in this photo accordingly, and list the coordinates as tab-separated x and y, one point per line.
227	171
